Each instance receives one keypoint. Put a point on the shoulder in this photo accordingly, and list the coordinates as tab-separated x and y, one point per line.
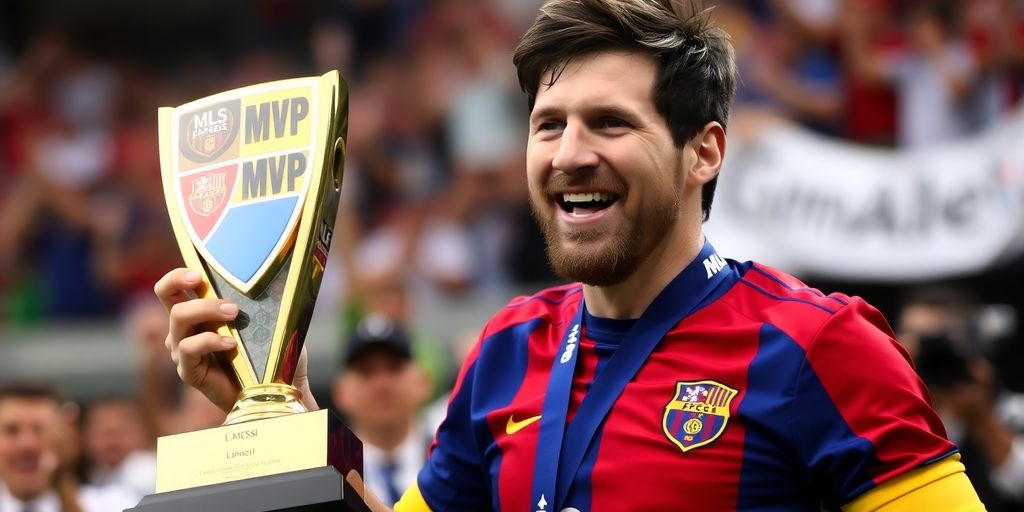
106	498
787	309
770	296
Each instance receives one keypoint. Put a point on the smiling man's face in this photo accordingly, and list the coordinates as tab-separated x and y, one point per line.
25	430
605	178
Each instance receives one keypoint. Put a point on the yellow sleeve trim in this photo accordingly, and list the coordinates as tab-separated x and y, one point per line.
941	485
412	500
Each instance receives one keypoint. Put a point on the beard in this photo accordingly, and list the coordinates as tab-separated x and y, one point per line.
625	249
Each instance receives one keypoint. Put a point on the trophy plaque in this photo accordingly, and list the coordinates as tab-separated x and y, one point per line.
252	179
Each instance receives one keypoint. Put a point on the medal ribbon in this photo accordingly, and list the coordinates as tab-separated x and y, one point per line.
560	449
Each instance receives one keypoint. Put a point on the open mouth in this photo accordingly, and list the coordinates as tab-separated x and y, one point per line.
26	464
584	203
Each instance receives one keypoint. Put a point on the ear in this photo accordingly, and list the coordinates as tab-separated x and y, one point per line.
424	385
708	147
339	393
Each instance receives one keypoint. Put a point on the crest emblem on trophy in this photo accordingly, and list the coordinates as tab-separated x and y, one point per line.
208	193
208	132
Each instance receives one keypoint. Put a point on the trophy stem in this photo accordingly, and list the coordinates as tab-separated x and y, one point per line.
265	401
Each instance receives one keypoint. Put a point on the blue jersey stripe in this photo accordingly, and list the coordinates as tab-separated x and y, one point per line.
769	469
796	439
762	291
456	479
788	287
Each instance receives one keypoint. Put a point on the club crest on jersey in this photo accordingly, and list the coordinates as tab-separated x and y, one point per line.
697	414
241	173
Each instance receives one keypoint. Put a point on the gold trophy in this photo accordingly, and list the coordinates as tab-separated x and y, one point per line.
252	179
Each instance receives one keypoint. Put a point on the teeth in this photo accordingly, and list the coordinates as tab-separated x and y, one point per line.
586	197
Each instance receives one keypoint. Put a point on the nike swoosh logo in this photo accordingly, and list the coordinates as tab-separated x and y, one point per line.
514	426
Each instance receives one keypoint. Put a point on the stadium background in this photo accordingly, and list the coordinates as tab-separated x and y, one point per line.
434	229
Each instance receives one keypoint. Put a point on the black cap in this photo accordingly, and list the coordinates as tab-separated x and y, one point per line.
377	332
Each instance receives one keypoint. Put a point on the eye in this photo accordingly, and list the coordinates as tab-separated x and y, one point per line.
614	123
549	125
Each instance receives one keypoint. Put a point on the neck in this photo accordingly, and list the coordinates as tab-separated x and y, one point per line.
630	298
385	438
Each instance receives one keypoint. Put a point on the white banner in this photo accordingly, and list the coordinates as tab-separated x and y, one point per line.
816	206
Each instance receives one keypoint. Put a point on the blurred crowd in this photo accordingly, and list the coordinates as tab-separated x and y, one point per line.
433	197
434	205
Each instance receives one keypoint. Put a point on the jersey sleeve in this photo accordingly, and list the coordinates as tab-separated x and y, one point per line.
453	478
942	485
412	500
860	414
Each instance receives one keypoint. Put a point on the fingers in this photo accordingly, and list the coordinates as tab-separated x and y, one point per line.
187	316
356	481
301	382
372	501
197	367
192	351
193	348
174	286
191	339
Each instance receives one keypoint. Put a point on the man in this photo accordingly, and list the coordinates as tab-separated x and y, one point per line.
379	390
671	379
37	455
938	326
116	448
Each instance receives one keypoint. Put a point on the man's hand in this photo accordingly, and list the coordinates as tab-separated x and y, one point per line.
973	403
190	339
194	343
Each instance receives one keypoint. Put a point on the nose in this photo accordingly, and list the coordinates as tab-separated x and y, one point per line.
26	444
576	150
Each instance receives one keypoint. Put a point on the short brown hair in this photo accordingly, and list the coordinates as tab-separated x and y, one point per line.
28	390
696	68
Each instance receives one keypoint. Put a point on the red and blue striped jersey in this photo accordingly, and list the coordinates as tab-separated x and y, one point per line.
768	396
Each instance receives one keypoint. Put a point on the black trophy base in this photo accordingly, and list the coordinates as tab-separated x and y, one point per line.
310	490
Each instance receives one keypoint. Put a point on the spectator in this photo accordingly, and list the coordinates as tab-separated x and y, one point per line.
115	446
64	163
799	78
870	105
380	390
933	77
936	325
38	452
